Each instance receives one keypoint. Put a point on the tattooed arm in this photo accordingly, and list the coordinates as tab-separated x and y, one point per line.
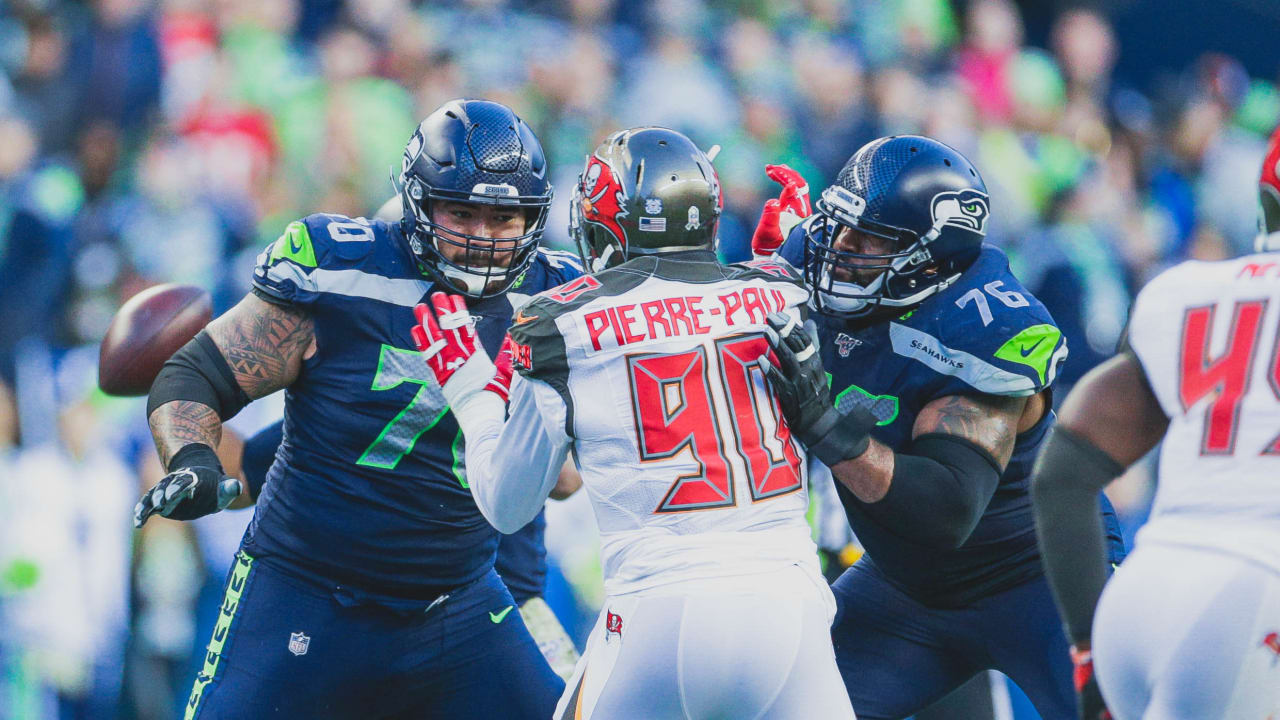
935	491
264	345
988	421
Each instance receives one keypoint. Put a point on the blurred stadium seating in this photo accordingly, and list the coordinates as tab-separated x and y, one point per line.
149	141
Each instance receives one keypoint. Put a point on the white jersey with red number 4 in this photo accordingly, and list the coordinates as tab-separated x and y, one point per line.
677	435
1206	335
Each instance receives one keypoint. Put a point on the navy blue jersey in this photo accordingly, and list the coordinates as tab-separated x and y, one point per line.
522	557
369	487
985	334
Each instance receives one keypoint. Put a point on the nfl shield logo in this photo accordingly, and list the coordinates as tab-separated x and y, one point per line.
298	643
846	343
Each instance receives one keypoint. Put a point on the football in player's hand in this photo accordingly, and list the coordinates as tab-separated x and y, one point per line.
147	331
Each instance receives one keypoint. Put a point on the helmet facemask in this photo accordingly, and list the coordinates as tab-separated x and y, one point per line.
474	263
1268	237
907	273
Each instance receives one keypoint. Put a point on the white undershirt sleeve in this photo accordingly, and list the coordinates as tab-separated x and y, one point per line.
512	466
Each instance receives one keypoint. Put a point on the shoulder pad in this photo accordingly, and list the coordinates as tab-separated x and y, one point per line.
548	269
562	262
993	336
538	346
793	247
773	269
316	241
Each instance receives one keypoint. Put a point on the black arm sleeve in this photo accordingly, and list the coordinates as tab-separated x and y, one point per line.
259	453
198	373
938	492
1064	487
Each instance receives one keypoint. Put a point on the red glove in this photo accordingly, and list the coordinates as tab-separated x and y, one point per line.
1088	694
447	339
782	213
501	382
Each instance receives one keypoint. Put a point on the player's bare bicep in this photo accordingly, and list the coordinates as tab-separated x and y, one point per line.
264	344
988	421
1114	408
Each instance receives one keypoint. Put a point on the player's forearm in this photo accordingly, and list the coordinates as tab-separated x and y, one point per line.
1064	489
179	423
512	466
868	475
934	494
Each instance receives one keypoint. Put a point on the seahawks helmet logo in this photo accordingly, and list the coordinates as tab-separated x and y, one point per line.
966	209
412	151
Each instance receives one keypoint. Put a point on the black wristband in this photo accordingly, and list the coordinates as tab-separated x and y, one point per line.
195	455
846	435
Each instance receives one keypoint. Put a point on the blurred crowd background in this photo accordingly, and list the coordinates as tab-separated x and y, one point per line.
149	141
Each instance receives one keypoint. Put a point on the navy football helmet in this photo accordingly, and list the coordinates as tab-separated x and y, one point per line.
473	151
917	196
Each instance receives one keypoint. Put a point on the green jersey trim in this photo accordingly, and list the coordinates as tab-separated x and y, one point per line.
982	375
1032	347
294	244
226	618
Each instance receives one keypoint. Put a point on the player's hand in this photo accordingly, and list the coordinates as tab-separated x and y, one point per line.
1088	695
500	385
446	335
782	213
795	371
195	486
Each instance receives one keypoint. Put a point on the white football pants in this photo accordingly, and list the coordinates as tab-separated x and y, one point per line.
1189	633
740	648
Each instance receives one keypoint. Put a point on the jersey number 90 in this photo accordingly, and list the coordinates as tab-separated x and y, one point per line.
674	406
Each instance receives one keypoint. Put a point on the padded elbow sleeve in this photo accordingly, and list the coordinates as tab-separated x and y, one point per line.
939	491
198	373
1064	489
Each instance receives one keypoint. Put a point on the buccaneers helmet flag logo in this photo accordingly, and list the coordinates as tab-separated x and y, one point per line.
603	197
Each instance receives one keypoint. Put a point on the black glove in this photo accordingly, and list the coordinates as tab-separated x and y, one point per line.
1088	695
800	382
195	486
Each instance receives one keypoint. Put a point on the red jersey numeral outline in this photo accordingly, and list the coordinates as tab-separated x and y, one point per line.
665	428
1226	376
572	289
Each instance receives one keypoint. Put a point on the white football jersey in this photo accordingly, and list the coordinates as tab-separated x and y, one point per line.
1206	335
674	429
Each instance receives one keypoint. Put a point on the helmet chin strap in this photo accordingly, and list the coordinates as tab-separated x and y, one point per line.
467	279
602	262
854	304
843	303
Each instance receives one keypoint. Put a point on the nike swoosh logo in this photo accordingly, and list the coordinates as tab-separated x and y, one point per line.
521	318
498	617
1026	351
